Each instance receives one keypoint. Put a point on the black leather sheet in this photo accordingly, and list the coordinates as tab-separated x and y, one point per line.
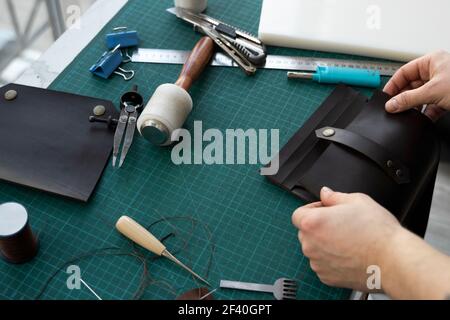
47	142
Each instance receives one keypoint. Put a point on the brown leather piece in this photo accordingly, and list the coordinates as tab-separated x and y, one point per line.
196	294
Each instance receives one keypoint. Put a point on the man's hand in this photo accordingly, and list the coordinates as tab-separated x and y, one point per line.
424	81
343	235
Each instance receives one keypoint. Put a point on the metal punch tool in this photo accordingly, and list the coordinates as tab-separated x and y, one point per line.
246	50
130	103
282	289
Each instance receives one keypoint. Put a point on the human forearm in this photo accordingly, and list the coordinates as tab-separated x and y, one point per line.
411	269
345	234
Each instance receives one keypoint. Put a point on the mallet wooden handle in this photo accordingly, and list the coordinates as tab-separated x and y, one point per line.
196	63
137	233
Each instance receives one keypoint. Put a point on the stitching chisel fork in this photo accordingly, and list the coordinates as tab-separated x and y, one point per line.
130	103
282	289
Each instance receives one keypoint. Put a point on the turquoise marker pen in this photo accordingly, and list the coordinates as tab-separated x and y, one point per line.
334	75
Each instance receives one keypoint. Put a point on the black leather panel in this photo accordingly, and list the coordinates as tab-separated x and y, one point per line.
48	143
372	150
307	163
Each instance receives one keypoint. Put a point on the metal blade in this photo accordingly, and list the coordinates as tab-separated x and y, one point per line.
246	286
236	55
172	11
118	136
128	136
169	256
196	21
188	15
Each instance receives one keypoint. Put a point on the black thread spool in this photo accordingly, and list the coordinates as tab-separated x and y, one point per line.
17	242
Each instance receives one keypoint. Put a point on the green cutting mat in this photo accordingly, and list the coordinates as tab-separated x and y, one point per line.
250	219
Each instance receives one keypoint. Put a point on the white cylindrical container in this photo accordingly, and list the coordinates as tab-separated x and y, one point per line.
196	6
166	111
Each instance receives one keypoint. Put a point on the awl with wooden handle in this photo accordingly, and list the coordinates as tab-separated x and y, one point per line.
141	236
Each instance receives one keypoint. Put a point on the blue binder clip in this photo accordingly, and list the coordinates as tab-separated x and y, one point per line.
109	63
122	37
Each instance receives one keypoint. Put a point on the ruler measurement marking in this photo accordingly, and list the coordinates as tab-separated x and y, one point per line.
273	61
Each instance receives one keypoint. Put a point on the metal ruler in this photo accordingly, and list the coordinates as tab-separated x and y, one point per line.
273	62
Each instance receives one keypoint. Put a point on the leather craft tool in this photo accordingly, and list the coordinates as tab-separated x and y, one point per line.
109	121
282	289
335	75
48	144
138	234
18	244
246	50
171	104
109	63
274	62
130	103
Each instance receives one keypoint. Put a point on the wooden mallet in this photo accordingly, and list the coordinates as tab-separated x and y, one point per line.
171	104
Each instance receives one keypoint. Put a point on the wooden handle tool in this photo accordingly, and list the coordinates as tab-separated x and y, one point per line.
141	236
197	61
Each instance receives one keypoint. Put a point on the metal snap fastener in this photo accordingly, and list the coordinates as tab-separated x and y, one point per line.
10	95
99	110
390	164
399	173
328	132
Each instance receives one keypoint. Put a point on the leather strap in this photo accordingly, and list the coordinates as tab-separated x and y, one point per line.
391	166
